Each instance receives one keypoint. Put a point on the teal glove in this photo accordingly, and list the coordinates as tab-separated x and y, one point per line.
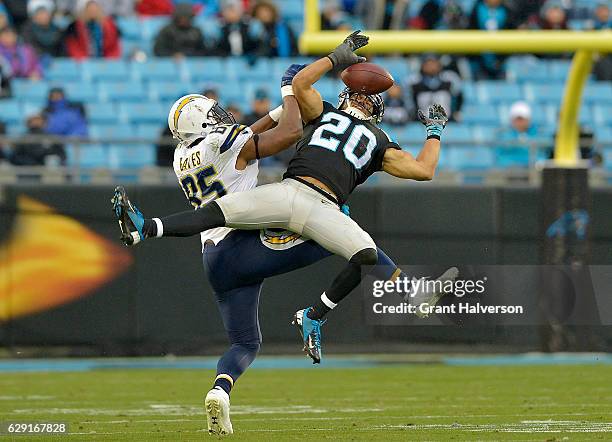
435	121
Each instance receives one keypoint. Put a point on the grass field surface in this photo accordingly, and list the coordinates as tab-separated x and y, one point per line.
405	402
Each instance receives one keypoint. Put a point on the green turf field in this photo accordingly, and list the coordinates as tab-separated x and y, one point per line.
397	402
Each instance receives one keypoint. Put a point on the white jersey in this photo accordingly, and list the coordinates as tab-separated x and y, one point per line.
207	170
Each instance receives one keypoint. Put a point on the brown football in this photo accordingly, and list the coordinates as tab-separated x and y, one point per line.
368	78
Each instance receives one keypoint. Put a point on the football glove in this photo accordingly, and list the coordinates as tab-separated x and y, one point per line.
343	55
435	121
291	72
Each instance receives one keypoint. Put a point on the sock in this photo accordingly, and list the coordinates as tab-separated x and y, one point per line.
223	382
188	223
321	308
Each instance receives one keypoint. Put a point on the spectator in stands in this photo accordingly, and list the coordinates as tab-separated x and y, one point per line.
17	11
490	15
277	38
333	16
21	58
5	18
235	36
4	152
440	14
154	7
436	85
93	33
259	107
180	38
5	79
40	31
396	111
236	112
64	118
601	16
514	152
552	16
37	152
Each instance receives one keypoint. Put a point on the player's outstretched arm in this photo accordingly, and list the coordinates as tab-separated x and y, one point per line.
422	168
266	122
311	104
288	131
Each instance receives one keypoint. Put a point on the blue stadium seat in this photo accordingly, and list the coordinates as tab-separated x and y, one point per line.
63	70
83	92
131	156
545	93
279	65
29	90
602	115
458	133
15	129
152	25
604	135
499	92
32	107
158	69
398	67
411	133
130	27
470	93
559	69
112	131
170	90
138	113
11	112
292	9
259	71
210	27
102	113
600	93
107	70
480	114
237	94
209	69
149	131
132	91
470	158
87	155
527	68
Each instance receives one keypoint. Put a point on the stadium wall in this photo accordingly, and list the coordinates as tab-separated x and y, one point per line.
60	265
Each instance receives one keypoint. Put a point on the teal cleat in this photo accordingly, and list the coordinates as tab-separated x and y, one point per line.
131	220
310	330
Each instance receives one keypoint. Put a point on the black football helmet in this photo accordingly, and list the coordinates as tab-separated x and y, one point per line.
378	104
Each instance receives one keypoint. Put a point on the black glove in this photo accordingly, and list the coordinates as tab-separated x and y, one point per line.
343	55
435	122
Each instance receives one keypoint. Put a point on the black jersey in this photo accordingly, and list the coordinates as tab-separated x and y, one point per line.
339	150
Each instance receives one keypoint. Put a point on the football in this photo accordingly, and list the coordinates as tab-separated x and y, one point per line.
368	78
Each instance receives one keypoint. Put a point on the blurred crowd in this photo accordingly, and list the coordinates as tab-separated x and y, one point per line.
33	32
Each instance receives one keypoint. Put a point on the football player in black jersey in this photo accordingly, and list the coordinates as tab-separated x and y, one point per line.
340	149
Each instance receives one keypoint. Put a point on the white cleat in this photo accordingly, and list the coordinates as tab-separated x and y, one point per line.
217	406
424	300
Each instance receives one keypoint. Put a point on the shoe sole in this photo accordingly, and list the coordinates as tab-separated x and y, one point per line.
120	209
214	414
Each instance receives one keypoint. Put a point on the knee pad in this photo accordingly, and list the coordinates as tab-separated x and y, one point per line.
365	257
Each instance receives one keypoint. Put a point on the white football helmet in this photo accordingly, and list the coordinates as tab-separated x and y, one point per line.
194	116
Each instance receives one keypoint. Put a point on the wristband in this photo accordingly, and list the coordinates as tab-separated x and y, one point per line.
276	113
286	91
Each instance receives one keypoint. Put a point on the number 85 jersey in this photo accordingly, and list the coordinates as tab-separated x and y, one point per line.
339	150
206	169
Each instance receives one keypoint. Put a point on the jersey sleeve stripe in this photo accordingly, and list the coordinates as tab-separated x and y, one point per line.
233	134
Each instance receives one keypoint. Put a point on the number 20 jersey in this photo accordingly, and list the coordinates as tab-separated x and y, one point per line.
207	170
339	150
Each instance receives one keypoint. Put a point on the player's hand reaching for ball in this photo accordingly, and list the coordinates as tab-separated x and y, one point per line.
435	121
344	55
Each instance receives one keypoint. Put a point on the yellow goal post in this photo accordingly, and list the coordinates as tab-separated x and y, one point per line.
584	45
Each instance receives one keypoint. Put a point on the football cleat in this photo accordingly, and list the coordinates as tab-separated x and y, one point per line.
310	331
422	296
131	220
217	406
